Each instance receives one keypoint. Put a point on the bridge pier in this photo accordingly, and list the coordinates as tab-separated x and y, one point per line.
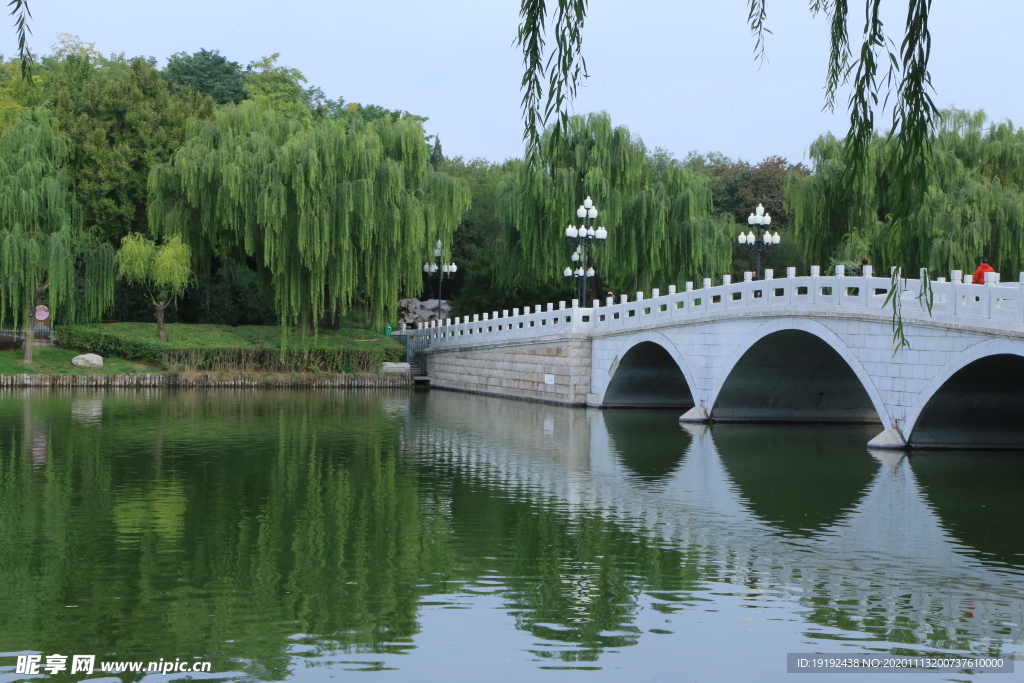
695	414
890	439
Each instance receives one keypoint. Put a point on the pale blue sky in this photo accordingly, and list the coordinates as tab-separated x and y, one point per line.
679	74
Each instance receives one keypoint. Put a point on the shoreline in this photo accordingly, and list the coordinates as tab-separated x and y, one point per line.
192	379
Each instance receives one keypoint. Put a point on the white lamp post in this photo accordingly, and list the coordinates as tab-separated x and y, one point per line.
762	244
583	238
440	271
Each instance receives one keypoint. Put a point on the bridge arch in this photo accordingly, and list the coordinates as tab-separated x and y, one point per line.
975	400
649	371
831	371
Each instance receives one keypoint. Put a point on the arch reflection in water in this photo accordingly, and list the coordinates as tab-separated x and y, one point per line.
977	498
799	482
876	561
648	442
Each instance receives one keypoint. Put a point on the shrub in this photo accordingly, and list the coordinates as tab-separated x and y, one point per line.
219	347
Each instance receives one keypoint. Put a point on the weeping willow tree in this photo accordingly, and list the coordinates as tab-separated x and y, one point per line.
657	212
44	253
877	70
333	213
972	205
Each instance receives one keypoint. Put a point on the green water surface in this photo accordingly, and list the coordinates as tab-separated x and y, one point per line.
313	535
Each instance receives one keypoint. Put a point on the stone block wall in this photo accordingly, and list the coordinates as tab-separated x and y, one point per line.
551	370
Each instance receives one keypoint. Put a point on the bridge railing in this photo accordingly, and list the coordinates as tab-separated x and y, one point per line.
952	300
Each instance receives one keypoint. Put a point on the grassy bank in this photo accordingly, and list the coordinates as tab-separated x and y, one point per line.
54	361
244	348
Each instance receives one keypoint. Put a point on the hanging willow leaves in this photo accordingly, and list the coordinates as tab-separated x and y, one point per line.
21	13
44	254
657	212
333	212
973	206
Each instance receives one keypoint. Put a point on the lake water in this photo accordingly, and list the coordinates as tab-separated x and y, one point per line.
422	536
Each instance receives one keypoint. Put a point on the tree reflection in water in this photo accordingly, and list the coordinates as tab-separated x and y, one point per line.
262	529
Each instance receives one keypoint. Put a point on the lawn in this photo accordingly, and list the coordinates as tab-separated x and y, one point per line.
54	361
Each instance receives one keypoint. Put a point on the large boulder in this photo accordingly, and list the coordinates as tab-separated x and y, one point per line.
411	311
88	360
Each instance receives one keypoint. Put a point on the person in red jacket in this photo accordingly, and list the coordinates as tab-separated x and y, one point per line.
979	274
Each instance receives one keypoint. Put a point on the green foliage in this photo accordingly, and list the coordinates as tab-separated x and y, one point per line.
249	348
207	72
332	214
973	205
121	120
657	211
165	269
436	155
232	296
43	250
277	88
475	246
737	187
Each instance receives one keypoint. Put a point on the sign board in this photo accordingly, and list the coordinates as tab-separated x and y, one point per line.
42	313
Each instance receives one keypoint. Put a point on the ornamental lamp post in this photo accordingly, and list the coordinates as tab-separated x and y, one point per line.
583	238
763	243
440	271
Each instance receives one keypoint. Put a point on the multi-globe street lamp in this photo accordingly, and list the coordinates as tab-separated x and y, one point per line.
583	238
440	271
763	243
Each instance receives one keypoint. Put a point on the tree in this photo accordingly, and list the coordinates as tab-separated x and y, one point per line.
737	187
165	270
436	155
277	88
657	211
207	72
121	119
477	246
333	213
973	207
44	253
914	113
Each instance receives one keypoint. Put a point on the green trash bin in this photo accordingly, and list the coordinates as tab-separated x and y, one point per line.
388	329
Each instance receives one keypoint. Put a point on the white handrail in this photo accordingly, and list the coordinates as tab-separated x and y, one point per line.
952	301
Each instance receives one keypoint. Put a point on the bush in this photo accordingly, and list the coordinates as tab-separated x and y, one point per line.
252	349
91	340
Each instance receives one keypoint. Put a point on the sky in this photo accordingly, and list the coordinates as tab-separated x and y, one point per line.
681	75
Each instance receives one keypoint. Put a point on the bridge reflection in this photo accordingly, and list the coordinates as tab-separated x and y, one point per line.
852	539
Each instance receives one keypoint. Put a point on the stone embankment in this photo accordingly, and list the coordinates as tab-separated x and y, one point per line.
213	380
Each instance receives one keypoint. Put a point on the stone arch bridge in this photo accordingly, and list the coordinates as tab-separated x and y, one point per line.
803	349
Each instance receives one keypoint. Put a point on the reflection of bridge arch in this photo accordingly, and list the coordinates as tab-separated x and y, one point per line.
797	490
976	399
888	558
648	372
795	369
